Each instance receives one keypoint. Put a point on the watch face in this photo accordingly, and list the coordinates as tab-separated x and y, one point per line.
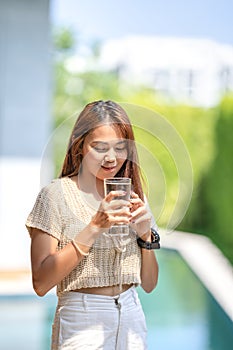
155	235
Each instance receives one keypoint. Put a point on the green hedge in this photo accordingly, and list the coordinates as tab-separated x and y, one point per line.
212	213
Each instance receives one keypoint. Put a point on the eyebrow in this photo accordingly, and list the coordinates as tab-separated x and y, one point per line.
106	143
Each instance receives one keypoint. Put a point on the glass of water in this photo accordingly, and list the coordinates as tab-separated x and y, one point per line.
118	184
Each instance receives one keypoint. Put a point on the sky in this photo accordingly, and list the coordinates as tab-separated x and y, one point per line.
108	19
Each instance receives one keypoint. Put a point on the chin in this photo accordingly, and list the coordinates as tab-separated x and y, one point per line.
105	174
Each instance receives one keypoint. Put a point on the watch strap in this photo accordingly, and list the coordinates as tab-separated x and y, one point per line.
155	241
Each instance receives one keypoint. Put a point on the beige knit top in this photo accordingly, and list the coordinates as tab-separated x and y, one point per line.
61	211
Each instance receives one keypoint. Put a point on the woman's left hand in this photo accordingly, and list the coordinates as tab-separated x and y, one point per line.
141	217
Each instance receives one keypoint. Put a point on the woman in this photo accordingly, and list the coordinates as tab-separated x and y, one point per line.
95	273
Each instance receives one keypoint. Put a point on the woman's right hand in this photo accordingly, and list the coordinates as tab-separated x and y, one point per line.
112	210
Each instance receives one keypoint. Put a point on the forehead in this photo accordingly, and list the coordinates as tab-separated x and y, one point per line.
105	133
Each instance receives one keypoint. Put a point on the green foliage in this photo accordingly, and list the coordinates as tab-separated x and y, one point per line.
213	213
63	39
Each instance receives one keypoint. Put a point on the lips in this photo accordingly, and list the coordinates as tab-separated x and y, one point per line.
108	168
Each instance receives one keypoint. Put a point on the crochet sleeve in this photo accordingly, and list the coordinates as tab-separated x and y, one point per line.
45	214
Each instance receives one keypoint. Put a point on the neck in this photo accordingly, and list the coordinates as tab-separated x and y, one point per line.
90	184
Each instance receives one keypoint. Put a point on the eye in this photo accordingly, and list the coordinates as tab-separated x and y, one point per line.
100	148
121	147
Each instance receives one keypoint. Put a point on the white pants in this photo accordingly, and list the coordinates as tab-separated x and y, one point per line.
91	322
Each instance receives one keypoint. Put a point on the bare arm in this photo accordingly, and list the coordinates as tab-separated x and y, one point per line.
149	269
141	222
50	266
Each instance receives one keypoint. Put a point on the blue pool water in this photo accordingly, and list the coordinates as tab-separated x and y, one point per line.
180	313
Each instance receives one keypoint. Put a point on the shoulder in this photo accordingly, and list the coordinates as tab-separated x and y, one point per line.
59	190
53	189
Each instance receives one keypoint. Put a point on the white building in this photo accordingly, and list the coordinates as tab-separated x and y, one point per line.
25	121
193	71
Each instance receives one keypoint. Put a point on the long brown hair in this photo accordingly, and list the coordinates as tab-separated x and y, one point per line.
96	114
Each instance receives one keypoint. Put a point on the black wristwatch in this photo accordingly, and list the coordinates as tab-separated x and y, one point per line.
154	244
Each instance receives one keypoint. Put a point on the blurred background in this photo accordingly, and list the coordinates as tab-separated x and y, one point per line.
173	60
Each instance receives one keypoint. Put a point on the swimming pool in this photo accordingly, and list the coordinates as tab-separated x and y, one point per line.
180	313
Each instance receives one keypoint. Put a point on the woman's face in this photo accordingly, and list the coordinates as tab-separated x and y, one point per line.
104	152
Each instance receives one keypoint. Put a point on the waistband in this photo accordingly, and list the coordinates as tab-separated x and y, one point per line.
80	297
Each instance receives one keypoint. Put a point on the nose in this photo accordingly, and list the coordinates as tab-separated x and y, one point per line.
110	156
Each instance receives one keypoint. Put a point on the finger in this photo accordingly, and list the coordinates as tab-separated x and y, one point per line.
139	212
137	201
108	207
118	219
105	219
120	212
121	220
118	204
114	194
133	194
144	218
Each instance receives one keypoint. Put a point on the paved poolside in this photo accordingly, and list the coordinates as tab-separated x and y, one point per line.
207	262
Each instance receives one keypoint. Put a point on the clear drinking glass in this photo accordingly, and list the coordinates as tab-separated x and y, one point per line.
118	184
